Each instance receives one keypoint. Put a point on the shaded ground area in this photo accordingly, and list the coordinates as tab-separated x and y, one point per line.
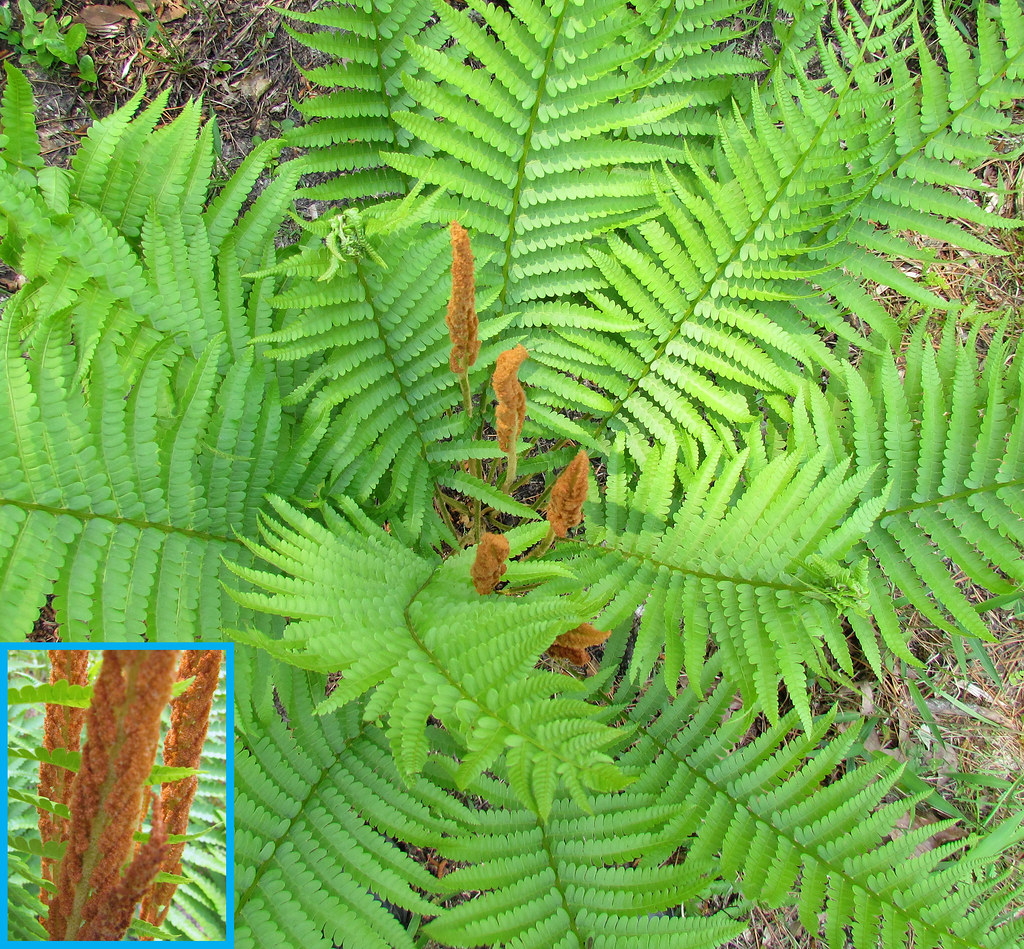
235	55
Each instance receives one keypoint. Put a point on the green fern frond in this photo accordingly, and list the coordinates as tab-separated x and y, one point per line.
900	119
348	128
24	907
765	819
530	161
132	527
382	395
133	455
953	448
774	822
741	565
19	138
420	636
573	881
317	798
123	248
702	343
705	48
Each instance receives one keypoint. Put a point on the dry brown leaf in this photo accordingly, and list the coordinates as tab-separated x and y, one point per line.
254	84
940	837
102	20
874	743
170	12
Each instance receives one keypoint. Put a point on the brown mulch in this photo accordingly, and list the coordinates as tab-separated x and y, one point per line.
236	56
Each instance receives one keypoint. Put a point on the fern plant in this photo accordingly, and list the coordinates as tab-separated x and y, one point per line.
289	447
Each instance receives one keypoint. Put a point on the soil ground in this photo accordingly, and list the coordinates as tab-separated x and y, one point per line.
236	56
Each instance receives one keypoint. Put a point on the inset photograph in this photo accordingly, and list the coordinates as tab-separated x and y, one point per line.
118	807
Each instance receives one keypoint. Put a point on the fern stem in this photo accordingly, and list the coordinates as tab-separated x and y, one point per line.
944	499
543	547
441	502
477	529
510	473
190	717
62	729
451	502
467	398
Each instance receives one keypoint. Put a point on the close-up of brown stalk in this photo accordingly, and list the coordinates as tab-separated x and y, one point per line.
489	566
122	733
463	324
568	494
461	317
62	729
190	715
565	509
572	645
94	890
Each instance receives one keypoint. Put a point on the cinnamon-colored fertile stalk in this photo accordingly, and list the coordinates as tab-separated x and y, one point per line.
190	716
122	733
489	565
462	319
62	728
462	328
565	509
116	906
572	645
511	411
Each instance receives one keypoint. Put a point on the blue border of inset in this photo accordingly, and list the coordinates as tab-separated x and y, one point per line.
229	793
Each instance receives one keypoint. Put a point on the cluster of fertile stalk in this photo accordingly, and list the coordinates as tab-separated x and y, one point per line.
94	889
569	492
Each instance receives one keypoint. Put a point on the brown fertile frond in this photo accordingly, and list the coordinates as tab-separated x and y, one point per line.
511	411
572	645
62	728
116	906
122	732
565	509
461	318
489	565
190	717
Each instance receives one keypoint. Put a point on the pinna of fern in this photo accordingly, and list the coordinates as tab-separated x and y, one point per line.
944	435
530	161
140	432
430	644
345	130
710	811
